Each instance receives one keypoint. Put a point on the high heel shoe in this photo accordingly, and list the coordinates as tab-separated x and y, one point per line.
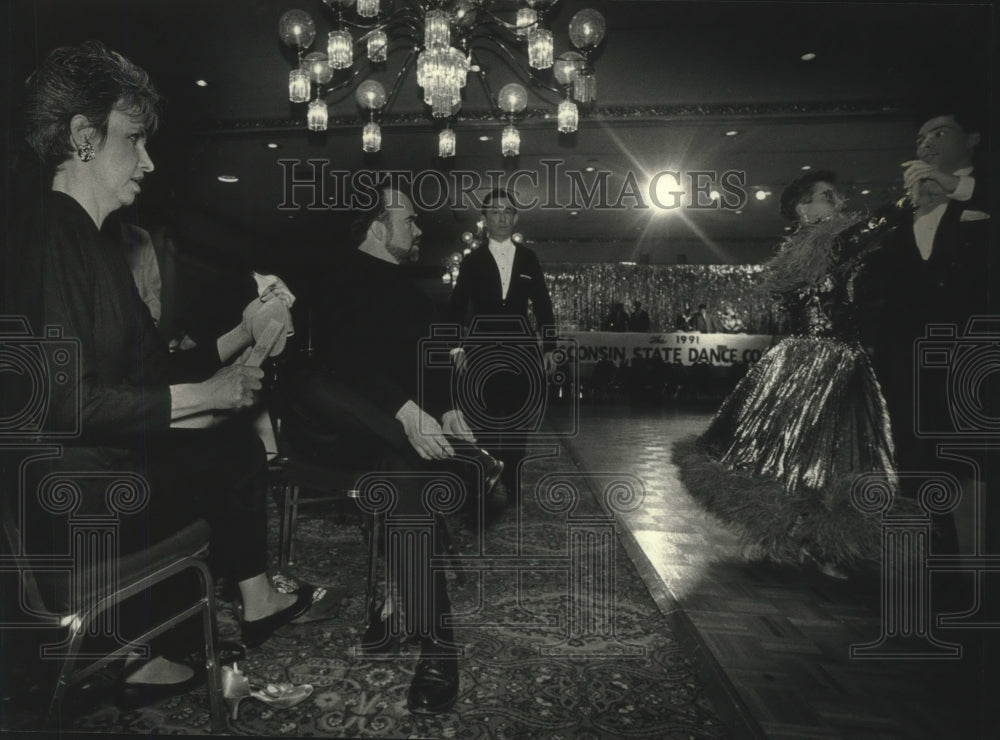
236	688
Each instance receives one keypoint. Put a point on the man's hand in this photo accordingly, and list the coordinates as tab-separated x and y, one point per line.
234	386
453	424
917	171
423	432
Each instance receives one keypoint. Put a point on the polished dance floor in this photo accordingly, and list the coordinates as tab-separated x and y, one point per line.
775	642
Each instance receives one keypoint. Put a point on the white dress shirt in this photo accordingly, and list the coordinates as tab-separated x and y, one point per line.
926	225
503	255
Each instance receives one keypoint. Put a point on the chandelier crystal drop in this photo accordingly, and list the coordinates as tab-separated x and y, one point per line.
378	46
368	8
340	49
540	47
371	137
299	86
317	116
446	143
568	117
510	142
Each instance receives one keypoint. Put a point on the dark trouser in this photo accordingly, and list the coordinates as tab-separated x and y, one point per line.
191	474
505	403
329	423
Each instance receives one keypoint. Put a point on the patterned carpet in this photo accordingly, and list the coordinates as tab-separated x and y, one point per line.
562	638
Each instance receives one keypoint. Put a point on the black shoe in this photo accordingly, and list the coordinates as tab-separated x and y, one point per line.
257	631
434	688
380	638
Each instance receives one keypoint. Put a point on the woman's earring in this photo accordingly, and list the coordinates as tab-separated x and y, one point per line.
85	152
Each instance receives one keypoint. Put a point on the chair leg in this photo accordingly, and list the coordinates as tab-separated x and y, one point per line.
286	528
293	520
216	710
374	525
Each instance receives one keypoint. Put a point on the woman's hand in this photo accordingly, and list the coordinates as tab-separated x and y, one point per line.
233	387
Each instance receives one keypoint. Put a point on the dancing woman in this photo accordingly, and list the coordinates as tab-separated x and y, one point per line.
779	457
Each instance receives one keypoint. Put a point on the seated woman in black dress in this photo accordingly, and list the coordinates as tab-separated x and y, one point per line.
88	114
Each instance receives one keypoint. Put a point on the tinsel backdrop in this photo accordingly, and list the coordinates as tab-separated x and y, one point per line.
583	294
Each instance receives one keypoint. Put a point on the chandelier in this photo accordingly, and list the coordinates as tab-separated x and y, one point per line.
446	39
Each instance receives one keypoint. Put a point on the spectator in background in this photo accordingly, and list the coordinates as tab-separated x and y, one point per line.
640	318
685	322
704	320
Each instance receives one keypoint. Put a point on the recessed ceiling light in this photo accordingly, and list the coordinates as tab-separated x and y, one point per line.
732	132
485	137
271	145
808	56
228	178
201	83
807	166
574	213
866	191
760	194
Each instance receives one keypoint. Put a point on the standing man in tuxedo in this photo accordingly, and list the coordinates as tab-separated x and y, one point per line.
934	269
491	296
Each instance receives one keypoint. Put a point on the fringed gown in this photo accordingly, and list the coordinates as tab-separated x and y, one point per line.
779	458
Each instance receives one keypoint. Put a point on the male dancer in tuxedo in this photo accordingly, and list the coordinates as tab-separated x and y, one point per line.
496	282
932	270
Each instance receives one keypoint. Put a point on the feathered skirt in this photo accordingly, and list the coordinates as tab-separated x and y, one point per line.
780	457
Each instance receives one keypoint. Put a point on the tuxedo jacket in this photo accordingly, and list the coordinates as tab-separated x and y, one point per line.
478	291
948	287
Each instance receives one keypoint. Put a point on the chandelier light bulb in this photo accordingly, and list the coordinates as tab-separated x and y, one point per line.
437	31
299	86
371	137
296	28
512	98
464	13
568	117
318	67
568	66
370	95
586	29
540	4
378	46
318	115
526	20
510	142
446	143
340	49
368	8
540	48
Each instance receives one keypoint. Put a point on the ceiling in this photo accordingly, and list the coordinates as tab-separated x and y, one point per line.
673	79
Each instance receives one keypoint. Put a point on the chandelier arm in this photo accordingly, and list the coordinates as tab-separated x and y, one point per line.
513	64
497	110
391	97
